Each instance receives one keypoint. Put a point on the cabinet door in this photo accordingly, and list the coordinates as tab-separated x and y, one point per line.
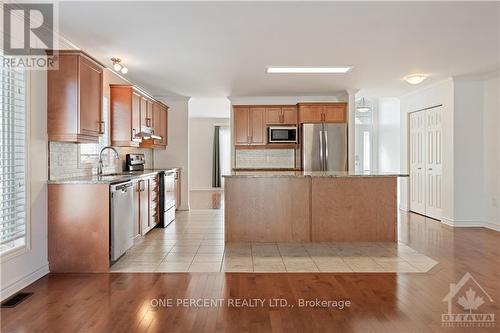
150	112
164	126
137	207
334	113
90	112
241	126
153	202
289	115
257	118
144	206
136	115
310	113
274	116
157	111
144	113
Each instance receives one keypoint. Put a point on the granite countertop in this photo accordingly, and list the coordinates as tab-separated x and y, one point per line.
110	178
312	174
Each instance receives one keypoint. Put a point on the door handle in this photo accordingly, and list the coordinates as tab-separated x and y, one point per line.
101	125
321	149
326	149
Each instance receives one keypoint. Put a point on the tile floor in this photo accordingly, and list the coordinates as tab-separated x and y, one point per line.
195	243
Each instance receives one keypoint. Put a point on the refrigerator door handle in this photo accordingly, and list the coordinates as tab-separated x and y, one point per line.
321	160
326	150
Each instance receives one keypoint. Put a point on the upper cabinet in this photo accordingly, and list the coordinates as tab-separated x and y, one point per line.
281	115
322	112
249	125
74	106
133	113
125	113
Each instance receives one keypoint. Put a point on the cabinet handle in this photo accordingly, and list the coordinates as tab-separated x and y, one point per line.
134	133
148	122
101	125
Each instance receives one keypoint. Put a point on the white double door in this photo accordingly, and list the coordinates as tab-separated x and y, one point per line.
426	162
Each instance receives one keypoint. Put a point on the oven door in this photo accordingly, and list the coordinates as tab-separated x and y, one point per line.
282	134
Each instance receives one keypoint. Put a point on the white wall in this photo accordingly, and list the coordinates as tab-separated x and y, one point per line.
388	135
209	107
177	152
201	143
23	269
471	147
440	93
491	158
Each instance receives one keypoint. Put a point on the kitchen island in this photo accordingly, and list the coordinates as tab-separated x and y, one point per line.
312	206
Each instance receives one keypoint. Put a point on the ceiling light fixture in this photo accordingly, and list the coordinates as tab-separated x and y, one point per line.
415	78
309	70
118	66
363	105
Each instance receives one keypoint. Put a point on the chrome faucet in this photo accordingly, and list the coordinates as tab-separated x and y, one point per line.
99	164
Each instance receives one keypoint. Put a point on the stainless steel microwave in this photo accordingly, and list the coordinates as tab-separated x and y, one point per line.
282	134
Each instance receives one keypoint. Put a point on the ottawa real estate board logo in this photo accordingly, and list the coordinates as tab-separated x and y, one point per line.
464	301
28	32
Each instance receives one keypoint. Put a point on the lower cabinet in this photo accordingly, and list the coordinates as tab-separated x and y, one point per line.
146	205
144	223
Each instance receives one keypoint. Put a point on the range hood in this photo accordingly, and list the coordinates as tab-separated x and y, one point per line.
147	133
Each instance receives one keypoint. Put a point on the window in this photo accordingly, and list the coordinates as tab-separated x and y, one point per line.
13	178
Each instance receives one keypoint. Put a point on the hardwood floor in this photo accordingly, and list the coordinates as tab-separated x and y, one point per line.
381	302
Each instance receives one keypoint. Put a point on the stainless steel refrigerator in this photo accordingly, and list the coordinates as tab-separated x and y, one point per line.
324	147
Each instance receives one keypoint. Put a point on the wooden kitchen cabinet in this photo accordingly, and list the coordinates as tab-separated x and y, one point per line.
289	115
241	125
164	125
310	113
136	113
257	131
335	113
281	115
159	125
153	202
124	111
144	112
322	112
249	125
74	98
144	206
131	112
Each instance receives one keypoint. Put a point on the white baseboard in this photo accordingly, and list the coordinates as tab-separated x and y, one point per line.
470	224
23	282
404	208
212	189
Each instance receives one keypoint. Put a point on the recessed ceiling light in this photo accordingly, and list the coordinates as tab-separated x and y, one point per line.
415	78
309	70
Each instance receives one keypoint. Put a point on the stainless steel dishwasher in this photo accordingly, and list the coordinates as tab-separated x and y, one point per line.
121	219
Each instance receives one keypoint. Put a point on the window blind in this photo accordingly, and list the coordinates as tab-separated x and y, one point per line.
12	159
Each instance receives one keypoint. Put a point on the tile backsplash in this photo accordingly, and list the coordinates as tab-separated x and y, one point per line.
264	158
68	160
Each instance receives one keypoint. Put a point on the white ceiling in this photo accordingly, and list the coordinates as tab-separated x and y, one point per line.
222	49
